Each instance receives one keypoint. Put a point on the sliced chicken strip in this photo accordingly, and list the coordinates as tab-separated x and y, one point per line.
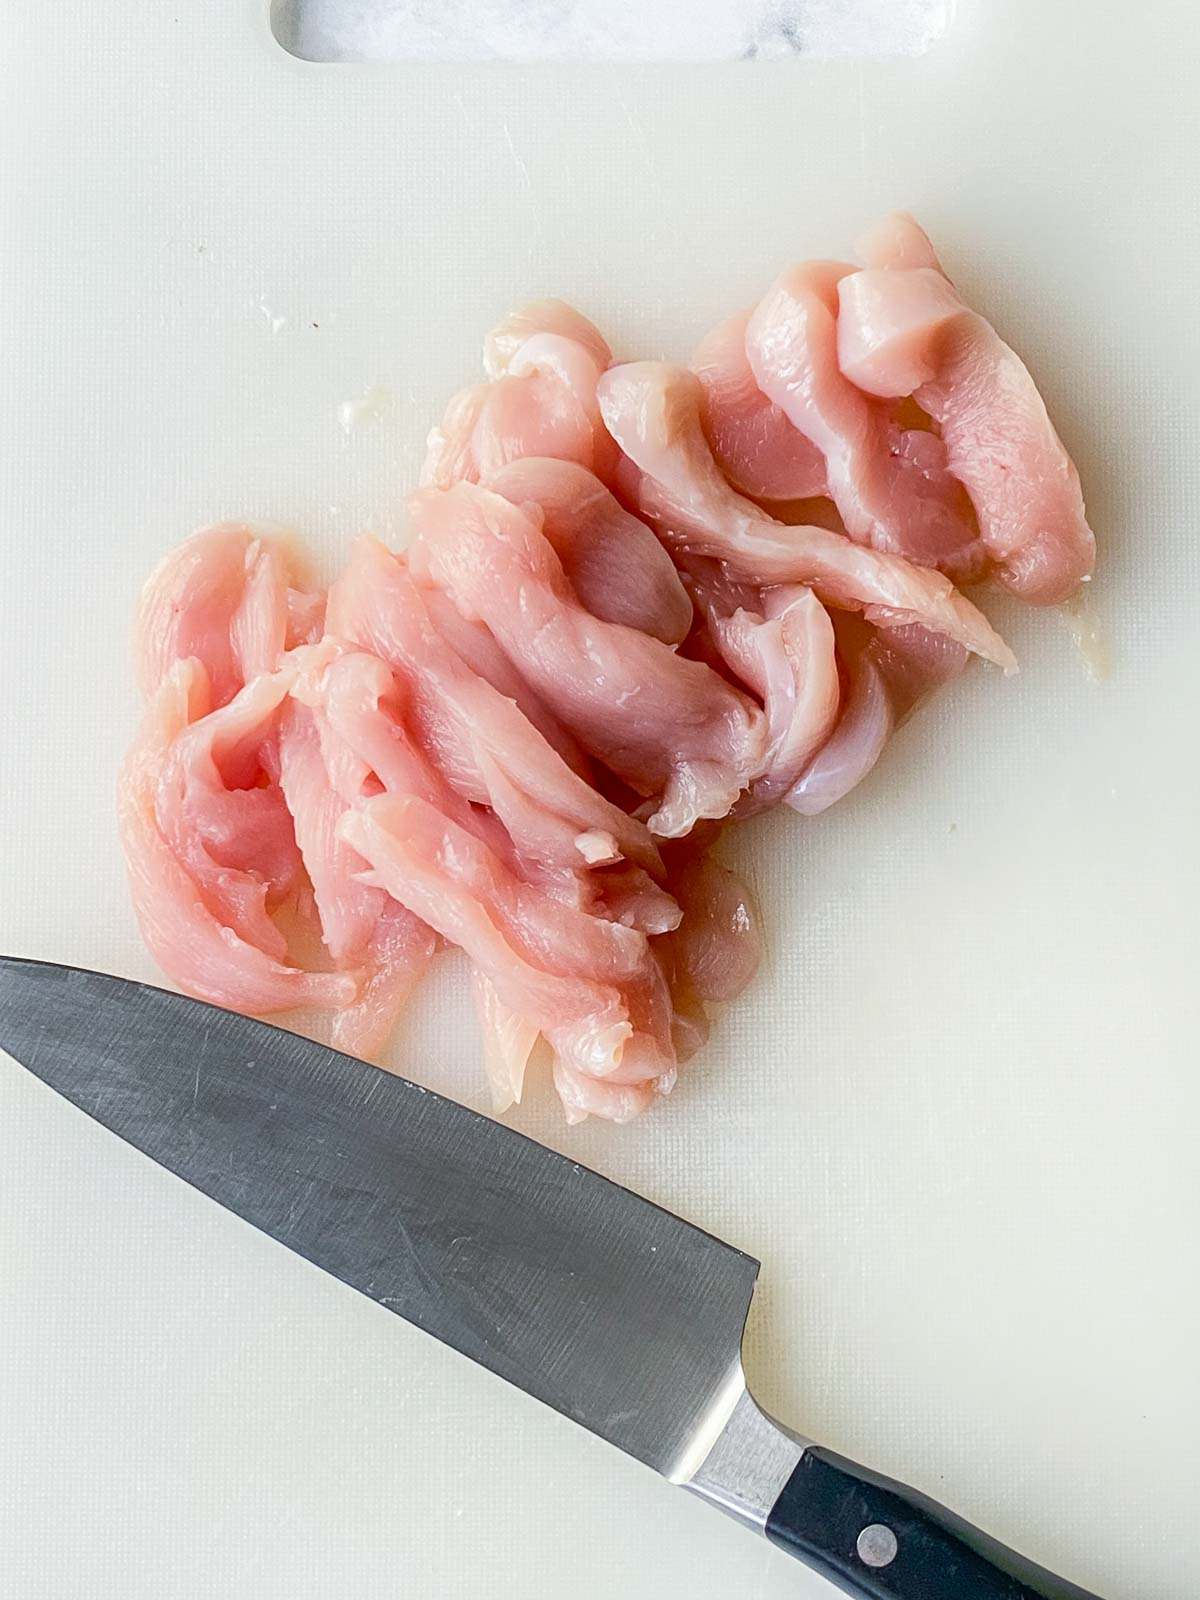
890	671
715	951
583	1096
866	723
897	241
368	745
629	895
542	403
780	643
756	447
486	427
230	832
365	739
493	423
508	1041
652	411
360	702
589	985
231	598
542	316
618	569
347	908
196	950
396	959
669	727
364	930
907	331
476	647
489	752
548	359
719	942
913	661
261	627
888	495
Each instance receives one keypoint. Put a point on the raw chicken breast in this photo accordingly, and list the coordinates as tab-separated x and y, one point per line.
226	826
365	931
543	403
476	647
905	330
228	597
652	411
756	447
629	895
188	929
891	492
913	662
394	962
542	316
525	735
716	950
889	672
508	1041
614	563
492	424
589	985
583	1096
667	726
778	642
897	241
718	946
487	750
866	722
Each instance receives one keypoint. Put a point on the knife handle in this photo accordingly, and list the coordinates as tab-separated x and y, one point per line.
878	1540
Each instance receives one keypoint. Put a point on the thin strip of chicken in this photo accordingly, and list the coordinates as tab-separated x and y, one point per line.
903	330
475	734
653	411
890	484
670	727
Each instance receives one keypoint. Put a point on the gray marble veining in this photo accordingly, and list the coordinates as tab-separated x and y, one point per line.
606	30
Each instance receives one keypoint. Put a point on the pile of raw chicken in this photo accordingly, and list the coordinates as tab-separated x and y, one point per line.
639	601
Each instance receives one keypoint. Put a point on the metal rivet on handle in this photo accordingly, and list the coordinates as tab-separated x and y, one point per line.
877	1545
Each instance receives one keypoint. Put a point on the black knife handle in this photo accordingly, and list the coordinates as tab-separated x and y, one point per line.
879	1540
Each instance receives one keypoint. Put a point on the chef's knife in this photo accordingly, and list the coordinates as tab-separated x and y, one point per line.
616	1313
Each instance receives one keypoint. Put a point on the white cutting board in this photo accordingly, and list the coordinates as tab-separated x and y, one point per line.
956	1118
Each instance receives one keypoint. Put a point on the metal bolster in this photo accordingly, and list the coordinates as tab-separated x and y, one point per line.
748	1463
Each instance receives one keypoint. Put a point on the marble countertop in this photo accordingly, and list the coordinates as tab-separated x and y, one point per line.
606	30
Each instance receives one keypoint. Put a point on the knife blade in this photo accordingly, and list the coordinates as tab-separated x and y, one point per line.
608	1308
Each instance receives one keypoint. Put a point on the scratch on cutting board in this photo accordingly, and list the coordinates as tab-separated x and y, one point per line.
527	182
667	211
463	112
766	1575
638	129
862	123
519	161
